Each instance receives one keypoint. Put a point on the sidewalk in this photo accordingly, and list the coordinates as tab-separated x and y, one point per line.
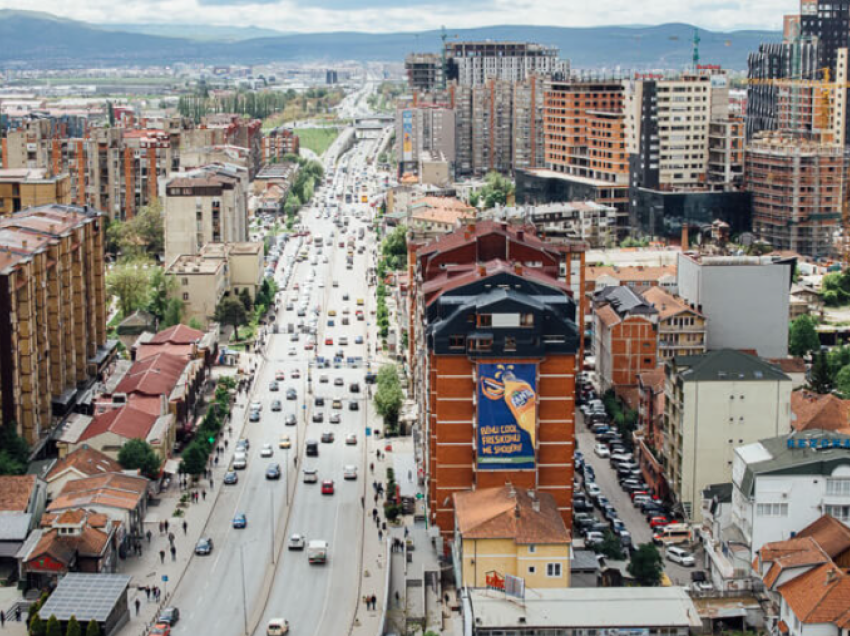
149	569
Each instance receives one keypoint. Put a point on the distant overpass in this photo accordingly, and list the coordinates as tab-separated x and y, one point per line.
372	125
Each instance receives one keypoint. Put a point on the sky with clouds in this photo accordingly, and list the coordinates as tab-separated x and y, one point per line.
420	15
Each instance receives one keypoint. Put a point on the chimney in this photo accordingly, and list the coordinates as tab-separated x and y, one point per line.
830	577
482	270
516	510
518	269
535	505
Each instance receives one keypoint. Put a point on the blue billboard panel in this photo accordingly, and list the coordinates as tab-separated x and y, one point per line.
507	416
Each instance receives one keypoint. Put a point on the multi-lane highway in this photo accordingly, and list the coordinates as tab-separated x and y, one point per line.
246	581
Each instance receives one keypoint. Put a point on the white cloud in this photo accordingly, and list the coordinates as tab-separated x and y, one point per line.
290	15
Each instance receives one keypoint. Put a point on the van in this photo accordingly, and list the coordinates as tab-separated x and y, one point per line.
240	461
673	534
639	500
680	556
312	448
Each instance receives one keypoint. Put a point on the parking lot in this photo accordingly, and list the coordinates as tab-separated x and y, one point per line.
636	524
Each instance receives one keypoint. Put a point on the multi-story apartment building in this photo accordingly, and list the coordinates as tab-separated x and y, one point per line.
681	328
476	63
22	188
625	339
425	127
744	299
278	143
529	135
424	71
218	270
53	299
726	151
207	206
799	190
649	436
494	341
636	277
714	403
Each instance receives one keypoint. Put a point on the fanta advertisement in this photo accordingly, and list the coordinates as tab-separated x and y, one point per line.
507	416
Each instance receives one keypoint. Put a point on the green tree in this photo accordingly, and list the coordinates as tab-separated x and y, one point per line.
388	396
803	336
194	460
111	113
128	282
247	301
821	375
231	311
54	627
137	454
646	565
73	628
611	546
842	382
194	323
37	627
142	234
161	287
14	452
173	313
93	628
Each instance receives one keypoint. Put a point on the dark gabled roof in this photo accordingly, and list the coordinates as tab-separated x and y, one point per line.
624	300
726	365
720	492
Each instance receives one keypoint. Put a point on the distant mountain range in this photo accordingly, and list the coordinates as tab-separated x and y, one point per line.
43	40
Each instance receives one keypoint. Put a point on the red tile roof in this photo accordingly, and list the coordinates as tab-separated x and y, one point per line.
115	490
830	534
178	334
15	492
147	350
821	595
126	421
87	461
637	273
509	513
157	375
825	412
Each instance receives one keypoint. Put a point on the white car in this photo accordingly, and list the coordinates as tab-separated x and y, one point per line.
296	542
592	490
349	472
266	450
602	450
293	351
680	556
256	406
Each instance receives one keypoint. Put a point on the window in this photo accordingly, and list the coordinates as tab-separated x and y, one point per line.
186	296
526	320
532	549
481	344
553	570
485	320
838	487
532	569
772	510
510	344
457	342
842	513
185	281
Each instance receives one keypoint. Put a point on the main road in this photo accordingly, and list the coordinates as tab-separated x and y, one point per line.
250	576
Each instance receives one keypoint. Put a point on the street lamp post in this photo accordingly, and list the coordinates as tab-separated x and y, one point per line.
244	598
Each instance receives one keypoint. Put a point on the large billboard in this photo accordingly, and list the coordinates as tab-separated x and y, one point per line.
407	135
507	416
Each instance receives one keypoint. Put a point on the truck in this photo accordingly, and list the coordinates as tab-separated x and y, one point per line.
317	552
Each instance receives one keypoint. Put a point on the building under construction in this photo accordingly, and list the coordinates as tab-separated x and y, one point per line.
799	191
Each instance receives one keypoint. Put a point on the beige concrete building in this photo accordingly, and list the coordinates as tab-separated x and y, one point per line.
22	188
209	206
681	329
216	271
53	306
714	403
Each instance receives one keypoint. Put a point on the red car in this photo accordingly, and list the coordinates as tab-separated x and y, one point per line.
280	376
328	487
296	286
161	629
329	341
659	522
308	346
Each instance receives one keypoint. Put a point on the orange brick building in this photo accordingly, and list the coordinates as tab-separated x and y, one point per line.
625	339
494	346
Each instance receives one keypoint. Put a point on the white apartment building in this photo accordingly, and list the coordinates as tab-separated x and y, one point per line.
209	205
714	403
744	298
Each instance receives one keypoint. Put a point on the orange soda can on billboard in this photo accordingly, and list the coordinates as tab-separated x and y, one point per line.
522	401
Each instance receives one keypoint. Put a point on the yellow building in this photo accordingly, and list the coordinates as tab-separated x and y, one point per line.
26	188
510	531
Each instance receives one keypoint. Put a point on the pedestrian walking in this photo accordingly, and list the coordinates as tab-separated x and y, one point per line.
409	475
156	593
148	535
171	538
2	619
18	613
372	467
216	460
204	494
138	605
162	556
225	444
374	602
165	523
384	526
374	513
405	532
185	527
397	599
212	483
148	593
380	535
376	499
173	553
362	502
